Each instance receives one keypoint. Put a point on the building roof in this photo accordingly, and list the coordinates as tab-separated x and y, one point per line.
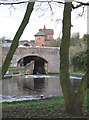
23	41
32	41
39	34
47	31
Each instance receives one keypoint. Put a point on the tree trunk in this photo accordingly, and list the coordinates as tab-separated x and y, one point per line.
15	42
73	101
82	88
64	58
78	102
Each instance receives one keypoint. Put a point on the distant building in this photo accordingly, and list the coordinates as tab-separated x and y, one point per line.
43	37
32	43
48	32
24	42
40	39
6	43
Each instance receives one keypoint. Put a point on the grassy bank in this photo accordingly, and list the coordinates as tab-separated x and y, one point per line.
11	68
53	107
79	73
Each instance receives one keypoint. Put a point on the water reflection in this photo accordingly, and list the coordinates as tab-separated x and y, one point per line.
31	86
39	83
75	82
28	87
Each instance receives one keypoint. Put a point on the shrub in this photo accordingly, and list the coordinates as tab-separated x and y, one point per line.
79	61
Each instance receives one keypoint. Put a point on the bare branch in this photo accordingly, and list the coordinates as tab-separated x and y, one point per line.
81	14
74	7
12	3
80	4
61	2
50	7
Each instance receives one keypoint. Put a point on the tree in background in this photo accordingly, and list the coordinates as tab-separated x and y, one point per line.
79	61
2	39
55	43
85	38
75	39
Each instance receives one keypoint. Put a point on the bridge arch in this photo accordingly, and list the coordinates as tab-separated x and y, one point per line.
40	63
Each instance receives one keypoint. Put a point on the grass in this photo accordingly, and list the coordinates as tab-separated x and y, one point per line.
34	109
78	73
52	107
11	68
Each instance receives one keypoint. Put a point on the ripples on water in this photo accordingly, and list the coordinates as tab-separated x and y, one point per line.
40	76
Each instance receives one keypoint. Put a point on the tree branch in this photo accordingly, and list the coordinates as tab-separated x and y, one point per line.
50	7
81	4
81	14
12	3
76	6
17	36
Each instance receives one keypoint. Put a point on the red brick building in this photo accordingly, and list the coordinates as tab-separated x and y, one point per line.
43	37
40	39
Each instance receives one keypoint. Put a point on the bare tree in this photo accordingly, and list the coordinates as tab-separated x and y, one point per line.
18	34
73	100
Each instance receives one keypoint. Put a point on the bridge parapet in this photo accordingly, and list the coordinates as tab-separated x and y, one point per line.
51	54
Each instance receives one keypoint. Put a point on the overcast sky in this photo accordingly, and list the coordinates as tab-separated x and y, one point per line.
11	17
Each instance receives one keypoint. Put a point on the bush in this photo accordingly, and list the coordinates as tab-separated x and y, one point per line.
55	43
79	61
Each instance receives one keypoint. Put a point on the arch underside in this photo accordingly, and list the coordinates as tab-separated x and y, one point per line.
40	64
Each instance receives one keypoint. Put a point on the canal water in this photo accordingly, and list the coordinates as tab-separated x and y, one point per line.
32	87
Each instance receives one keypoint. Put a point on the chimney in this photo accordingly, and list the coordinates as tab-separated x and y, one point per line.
44	27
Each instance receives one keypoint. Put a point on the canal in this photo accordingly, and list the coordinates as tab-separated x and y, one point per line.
32	87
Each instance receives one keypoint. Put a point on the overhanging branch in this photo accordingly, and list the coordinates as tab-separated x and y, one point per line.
79	5
50	7
12	3
82	3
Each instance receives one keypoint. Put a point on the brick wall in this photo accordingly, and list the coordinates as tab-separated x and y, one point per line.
51	37
28	69
51	54
39	40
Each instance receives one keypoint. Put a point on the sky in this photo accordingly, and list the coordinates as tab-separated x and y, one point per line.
11	17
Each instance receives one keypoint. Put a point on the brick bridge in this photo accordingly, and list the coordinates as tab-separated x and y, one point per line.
45	59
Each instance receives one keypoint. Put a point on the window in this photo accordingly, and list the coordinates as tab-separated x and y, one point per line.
36	38
47	36
39	38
